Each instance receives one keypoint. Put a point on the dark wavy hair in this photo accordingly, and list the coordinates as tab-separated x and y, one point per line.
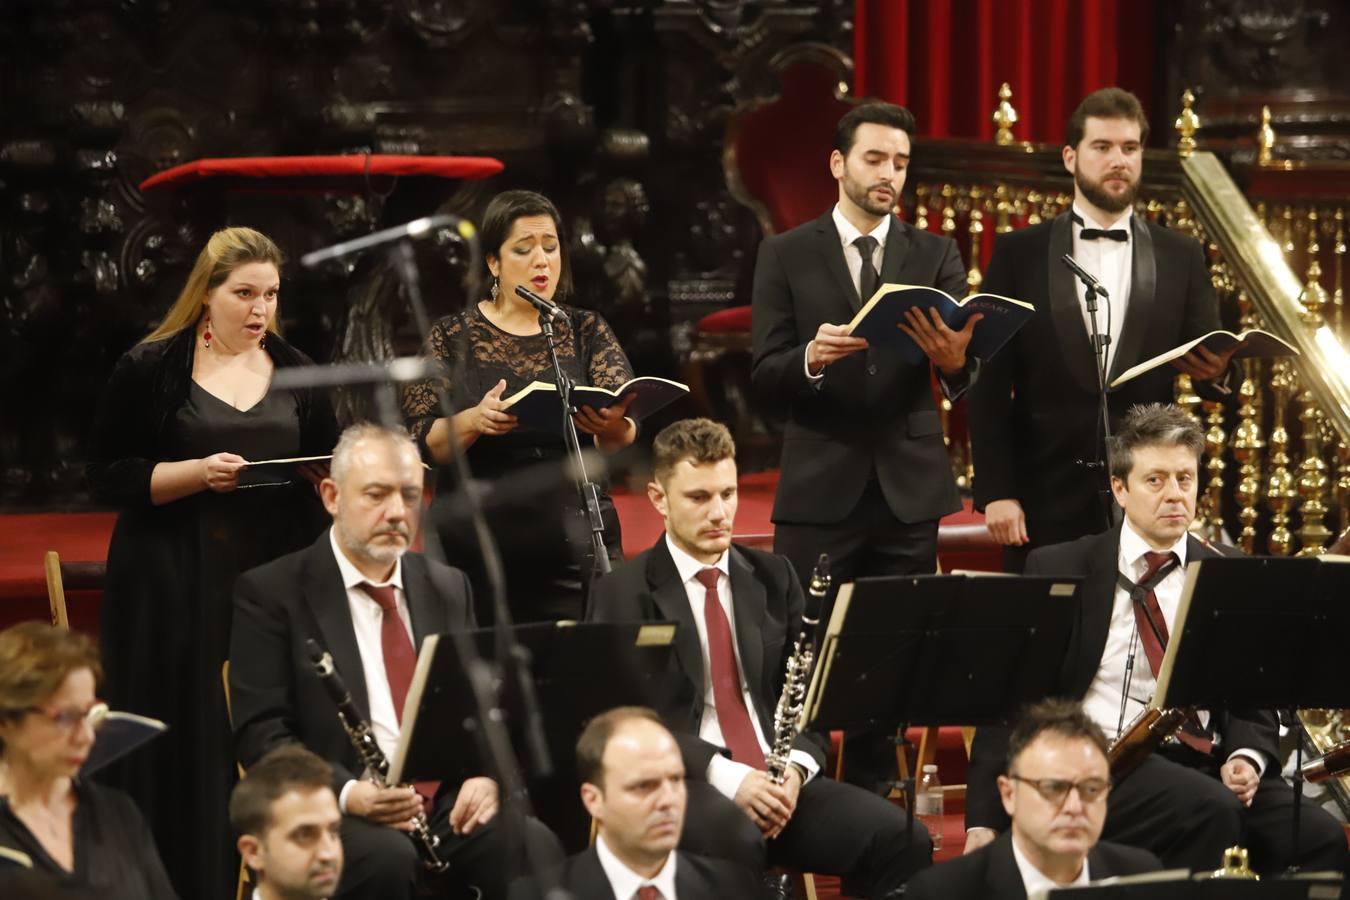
502	212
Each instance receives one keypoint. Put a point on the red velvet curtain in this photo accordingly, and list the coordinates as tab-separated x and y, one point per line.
945	59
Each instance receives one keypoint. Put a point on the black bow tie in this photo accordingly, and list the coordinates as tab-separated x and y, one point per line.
1092	234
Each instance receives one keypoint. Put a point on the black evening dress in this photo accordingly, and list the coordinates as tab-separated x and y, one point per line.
545	543
115	857
165	622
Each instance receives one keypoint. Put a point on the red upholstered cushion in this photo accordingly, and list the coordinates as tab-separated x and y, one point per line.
354	167
735	320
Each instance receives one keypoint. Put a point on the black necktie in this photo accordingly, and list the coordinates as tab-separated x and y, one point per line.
1092	234
867	276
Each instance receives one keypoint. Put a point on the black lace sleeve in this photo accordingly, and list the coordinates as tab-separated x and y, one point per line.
421	399
607	365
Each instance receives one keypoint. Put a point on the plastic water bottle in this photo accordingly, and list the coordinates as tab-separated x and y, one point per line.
928	804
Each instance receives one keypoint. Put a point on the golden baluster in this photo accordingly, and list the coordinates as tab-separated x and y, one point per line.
1314	297
1187	124
948	211
976	229
1004	116
1280	494
1215	442
1034	200
1342	489
1287	231
1247	446
1003	208
1186	396
1265	139
1338	276
1312	479
921	207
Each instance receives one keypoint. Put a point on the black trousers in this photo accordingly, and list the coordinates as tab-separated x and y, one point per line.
1176	806
837	829
869	541
382	864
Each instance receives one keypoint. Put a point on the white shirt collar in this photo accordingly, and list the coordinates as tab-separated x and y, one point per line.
1133	547
351	575
848	234
1033	879
688	567
1123	221
625	882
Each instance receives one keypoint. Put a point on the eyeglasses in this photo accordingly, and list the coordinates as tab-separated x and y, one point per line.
70	719
1056	790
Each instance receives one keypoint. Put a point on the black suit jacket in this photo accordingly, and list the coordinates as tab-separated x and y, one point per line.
991	872
275	696
696	878
1034	410
767	603
873	411
1094	559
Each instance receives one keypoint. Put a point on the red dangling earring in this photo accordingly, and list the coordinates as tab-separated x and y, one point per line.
206	333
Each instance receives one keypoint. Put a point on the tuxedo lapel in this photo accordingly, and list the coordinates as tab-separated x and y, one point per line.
1143	289
327	601
1097	602
589	879
424	608
672	602
897	251
1002	878
1066	310
749	606
832	258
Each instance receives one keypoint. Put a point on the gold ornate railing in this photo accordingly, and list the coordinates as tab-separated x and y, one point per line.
1277	460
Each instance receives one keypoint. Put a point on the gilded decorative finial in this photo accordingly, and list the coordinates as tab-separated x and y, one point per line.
1187	124
1004	116
1265	138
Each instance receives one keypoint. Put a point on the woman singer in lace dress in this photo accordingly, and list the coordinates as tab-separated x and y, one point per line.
492	349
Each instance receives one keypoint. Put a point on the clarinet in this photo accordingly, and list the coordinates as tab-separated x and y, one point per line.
787	715
372	757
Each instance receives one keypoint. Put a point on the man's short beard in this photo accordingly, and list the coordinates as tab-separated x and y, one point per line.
862	198
355	547
1098	197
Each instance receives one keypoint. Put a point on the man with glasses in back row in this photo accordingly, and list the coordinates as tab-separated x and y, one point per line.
1055	792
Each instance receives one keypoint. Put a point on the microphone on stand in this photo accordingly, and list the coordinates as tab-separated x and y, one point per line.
414	229
1087	277
545	308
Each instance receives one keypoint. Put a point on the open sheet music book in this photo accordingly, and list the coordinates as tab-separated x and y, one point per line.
538	406
878	319
118	734
1252	343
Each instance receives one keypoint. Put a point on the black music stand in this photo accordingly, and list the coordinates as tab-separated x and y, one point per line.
939	650
1184	887
1260	633
579	671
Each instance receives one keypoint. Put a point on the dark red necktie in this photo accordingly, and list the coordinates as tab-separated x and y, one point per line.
649	892
399	661
737	729
1191	733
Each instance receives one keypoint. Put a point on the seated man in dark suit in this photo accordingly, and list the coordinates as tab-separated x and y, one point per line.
1055	793
738	611
1218	782
359	593
632	783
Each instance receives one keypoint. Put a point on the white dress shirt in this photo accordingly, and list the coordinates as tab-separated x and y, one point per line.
1102	702
624	882
724	773
1033	879
853	260
367	618
1112	264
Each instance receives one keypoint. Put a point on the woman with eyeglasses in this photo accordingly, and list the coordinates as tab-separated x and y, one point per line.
51	820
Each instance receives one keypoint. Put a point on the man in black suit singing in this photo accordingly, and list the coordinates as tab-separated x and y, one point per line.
1055	792
1218	782
865	475
738	611
1035	419
360	594
632	784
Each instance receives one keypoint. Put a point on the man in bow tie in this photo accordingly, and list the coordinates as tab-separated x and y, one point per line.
1035	415
1218	783
361	594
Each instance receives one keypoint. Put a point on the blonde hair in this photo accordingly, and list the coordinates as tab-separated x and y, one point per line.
227	250
35	658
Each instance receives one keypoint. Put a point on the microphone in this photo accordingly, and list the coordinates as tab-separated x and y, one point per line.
545	308
414	229
1335	761
1086	276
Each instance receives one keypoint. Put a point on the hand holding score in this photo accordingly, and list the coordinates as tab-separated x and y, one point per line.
944	347
489	417
220	471
1203	365
608	425
831	344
